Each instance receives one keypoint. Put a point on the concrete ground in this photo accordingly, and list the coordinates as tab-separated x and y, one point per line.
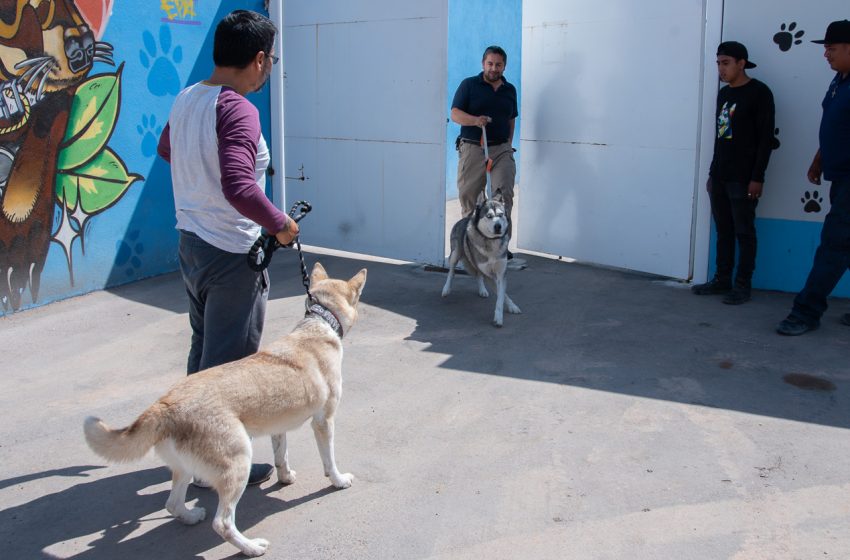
618	417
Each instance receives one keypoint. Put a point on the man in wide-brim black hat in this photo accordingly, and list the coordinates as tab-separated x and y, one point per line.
832	160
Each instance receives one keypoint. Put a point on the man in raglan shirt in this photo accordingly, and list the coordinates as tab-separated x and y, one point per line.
218	160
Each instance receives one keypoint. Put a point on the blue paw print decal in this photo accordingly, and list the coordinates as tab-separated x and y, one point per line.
149	131
160	61
129	251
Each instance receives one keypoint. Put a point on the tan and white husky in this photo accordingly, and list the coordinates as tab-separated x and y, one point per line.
203	426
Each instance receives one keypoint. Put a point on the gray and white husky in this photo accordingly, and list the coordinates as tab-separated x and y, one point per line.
480	241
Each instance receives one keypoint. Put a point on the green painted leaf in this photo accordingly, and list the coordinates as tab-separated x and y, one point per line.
99	184
67	189
94	112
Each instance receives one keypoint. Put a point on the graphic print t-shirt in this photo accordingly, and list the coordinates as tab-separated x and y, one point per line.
744	138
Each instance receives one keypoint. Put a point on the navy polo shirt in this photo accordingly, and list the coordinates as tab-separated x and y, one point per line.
835	130
476	97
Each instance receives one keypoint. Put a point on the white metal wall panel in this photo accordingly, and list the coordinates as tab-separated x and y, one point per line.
364	95
612	112
778	36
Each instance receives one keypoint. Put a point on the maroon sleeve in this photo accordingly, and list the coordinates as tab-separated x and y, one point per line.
164	146
238	130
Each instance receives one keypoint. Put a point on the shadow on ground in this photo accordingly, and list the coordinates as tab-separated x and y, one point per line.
121	505
167	292
626	333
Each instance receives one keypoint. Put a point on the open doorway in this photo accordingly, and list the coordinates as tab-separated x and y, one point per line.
474	25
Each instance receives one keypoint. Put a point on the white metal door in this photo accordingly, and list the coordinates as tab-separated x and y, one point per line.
364	103
614	130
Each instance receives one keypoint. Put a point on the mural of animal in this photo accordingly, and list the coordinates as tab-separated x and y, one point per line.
46	50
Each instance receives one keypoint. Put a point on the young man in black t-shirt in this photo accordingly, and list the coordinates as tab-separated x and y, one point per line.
742	144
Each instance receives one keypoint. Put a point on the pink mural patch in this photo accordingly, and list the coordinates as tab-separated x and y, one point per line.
96	13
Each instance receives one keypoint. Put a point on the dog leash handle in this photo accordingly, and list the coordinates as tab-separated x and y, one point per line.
260	255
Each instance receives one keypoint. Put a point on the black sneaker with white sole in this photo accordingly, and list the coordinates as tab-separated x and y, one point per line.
260	472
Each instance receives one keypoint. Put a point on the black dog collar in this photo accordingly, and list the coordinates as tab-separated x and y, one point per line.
321	311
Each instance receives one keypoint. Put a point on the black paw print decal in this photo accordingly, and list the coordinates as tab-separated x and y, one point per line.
786	37
811	201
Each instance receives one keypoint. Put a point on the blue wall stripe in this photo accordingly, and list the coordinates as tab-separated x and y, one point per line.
785	252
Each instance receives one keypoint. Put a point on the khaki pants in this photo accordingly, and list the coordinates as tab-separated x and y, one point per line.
471	175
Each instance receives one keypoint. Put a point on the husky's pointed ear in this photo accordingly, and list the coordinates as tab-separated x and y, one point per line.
498	197
358	281
318	274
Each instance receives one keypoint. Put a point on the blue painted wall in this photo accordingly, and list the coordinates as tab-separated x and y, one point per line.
784	255
474	25
161	53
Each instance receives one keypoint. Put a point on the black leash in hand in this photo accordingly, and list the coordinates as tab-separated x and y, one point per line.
305	279
260	255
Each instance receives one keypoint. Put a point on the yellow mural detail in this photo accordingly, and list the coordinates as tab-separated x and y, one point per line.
93	131
180	9
87	183
86	116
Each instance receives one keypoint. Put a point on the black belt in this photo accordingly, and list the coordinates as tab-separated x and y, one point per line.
478	142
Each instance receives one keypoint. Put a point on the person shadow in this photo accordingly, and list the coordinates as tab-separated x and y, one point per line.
107	518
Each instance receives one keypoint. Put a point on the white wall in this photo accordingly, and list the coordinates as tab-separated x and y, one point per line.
612	133
799	77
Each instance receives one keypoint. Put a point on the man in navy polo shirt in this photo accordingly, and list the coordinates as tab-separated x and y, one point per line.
833	161
486	100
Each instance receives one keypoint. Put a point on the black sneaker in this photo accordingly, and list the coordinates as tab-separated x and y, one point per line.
792	326
845	319
737	296
740	293
715	286
260	472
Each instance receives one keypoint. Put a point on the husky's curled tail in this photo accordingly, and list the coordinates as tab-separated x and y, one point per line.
125	444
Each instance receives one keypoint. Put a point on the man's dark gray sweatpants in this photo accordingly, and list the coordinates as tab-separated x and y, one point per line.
227	303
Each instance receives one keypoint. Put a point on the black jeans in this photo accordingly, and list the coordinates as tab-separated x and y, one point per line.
735	219
832	258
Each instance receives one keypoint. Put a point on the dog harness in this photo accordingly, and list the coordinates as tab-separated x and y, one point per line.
321	311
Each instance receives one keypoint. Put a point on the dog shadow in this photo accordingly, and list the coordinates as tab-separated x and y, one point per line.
109	517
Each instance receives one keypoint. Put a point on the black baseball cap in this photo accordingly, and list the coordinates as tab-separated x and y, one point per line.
836	32
736	50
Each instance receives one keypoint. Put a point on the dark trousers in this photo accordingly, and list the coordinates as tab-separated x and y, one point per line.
832	257
735	220
227	303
